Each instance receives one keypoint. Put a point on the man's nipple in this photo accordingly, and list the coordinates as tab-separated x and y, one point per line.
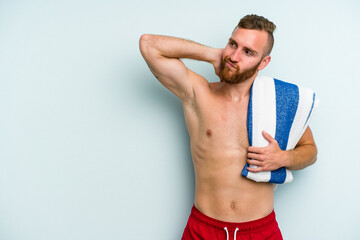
208	133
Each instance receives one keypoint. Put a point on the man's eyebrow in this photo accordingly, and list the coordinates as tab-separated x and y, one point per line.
245	48
251	50
232	40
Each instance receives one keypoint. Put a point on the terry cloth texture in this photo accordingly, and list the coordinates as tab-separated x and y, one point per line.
283	110
202	227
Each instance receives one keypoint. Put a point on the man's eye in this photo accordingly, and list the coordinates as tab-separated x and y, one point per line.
232	44
247	52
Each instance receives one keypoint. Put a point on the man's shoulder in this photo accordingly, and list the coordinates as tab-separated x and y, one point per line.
199	83
203	90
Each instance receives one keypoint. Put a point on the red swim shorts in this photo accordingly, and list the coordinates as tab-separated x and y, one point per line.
202	227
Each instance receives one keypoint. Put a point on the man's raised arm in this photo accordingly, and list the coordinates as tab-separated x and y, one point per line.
163	53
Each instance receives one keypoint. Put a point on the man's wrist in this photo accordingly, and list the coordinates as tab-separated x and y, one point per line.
215	55
287	158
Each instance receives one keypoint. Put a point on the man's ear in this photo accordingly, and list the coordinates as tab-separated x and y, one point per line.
264	62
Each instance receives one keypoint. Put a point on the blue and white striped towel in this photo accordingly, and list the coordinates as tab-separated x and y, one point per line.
283	110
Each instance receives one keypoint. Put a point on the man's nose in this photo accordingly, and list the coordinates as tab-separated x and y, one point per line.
235	56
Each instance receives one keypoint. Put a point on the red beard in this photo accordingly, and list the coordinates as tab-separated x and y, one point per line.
226	75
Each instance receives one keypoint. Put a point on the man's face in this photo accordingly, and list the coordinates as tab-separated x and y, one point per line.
243	55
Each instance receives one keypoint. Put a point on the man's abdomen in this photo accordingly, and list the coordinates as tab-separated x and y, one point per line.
222	193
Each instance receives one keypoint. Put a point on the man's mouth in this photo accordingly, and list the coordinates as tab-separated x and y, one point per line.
230	65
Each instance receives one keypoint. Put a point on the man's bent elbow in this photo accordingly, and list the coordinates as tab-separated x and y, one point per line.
314	160
314	155
144	42
144	38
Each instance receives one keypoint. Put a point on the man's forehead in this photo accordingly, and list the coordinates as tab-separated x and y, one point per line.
250	37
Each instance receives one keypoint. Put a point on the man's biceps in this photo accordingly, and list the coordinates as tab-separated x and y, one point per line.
176	78
172	69
306	138
177	83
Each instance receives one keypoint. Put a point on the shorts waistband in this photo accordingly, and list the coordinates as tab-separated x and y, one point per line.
249	226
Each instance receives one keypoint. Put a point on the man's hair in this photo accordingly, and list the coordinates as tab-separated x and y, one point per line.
256	22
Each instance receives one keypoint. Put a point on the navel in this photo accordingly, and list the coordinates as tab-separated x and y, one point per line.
232	205
209	133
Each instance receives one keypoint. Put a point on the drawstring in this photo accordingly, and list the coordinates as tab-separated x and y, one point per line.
227	233
237	229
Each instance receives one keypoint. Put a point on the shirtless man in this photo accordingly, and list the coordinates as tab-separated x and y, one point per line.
215	113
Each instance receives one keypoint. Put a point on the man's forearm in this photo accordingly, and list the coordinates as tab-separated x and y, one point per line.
301	157
172	47
271	157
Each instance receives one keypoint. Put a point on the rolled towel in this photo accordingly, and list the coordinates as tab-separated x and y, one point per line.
283	110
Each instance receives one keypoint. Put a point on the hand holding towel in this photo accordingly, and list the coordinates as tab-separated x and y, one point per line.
283	110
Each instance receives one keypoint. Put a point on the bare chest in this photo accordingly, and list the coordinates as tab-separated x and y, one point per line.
219	123
222	121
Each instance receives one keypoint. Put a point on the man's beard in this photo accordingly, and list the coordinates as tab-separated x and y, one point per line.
233	78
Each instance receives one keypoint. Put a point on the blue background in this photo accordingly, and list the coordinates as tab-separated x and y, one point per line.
93	147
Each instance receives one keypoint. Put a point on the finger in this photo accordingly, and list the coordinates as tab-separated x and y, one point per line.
254	170
255	149
255	156
268	137
255	162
